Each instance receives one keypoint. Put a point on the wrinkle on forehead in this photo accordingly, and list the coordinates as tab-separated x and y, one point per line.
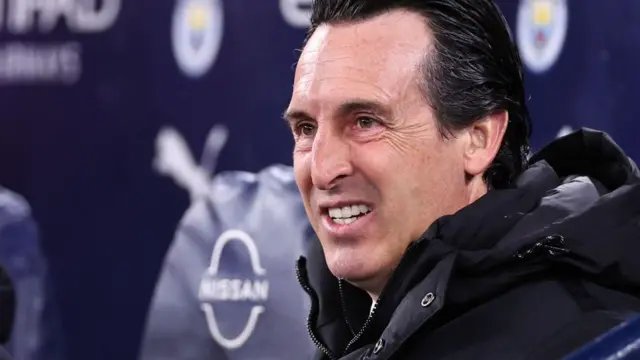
379	56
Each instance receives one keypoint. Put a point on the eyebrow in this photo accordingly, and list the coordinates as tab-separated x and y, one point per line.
292	116
346	108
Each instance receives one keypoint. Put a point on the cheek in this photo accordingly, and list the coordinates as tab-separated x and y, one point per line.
439	182
420	177
302	173
392	175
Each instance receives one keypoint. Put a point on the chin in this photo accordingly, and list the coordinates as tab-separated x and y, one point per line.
354	266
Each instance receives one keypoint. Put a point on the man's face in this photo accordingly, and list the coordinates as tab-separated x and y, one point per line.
372	167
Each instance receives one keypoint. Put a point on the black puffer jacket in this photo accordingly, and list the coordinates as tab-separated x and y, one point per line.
531	272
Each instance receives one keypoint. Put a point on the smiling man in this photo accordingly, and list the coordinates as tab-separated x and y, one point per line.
438	238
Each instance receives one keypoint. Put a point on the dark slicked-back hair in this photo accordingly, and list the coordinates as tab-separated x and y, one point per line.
473	70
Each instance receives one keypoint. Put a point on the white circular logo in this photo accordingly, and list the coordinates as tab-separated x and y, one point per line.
252	288
541	32
197	35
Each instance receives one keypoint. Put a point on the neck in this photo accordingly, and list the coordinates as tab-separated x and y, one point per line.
373	296
476	189
372	286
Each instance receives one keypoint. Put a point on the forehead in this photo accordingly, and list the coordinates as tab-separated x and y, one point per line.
373	58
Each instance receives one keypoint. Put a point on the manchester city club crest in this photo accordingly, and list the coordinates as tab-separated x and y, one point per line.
197	35
541	32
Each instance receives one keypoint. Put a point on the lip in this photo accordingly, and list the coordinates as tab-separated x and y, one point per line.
353	230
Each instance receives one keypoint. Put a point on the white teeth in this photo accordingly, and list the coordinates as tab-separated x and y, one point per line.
348	214
335	212
349	220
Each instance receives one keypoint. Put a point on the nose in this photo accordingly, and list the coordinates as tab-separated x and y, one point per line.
330	160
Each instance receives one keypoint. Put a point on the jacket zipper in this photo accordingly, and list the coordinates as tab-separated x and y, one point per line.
344	308
312	314
369	320
363	329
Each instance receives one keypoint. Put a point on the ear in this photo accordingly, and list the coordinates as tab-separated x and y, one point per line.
485	137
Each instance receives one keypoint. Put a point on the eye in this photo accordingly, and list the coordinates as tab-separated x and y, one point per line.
365	122
305	129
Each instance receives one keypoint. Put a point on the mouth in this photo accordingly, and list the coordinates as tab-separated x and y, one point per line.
348	214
